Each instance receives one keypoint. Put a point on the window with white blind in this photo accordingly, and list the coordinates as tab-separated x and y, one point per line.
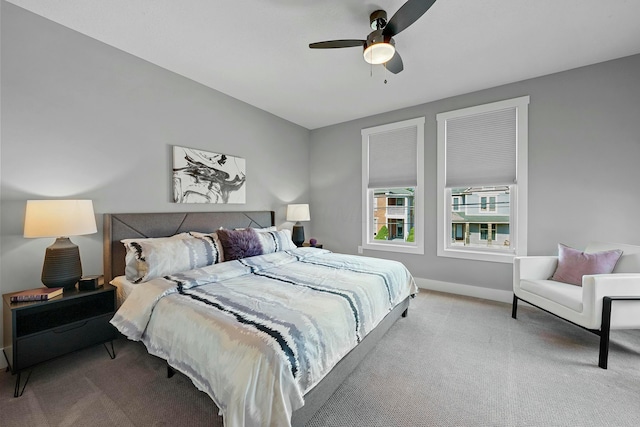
393	187
482	181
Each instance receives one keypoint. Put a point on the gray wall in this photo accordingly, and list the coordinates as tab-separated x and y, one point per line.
81	119
584	156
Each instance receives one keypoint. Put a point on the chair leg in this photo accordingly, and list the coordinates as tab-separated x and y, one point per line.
514	307
605	332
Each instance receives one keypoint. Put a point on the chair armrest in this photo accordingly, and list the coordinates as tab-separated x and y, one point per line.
597	286
534	267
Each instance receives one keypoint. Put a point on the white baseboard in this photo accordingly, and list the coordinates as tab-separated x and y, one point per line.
467	290
3	361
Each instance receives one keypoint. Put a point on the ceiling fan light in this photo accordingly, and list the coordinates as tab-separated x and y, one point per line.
379	53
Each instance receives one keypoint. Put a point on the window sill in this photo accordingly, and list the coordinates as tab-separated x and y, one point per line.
477	255
390	247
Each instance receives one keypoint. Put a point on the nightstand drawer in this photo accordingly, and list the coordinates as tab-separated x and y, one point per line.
55	342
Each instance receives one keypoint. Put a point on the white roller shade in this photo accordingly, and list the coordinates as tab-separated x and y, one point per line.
393	158
481	149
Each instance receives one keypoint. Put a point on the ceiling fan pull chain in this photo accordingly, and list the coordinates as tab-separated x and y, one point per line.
385	73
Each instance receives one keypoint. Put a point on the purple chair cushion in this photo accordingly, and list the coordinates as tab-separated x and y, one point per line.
573	264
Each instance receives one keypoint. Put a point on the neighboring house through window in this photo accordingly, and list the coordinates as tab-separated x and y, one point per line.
482	181
393	187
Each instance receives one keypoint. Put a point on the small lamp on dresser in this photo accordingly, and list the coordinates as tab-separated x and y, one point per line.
297	213
60	219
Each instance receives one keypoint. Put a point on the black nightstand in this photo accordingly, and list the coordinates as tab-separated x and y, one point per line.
35	332
307	245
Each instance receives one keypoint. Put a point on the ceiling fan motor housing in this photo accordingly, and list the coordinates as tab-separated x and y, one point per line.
378	20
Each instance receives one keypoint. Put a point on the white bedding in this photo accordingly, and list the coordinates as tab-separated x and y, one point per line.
256	334
123	288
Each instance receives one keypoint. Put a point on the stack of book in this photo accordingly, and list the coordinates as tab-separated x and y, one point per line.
39	294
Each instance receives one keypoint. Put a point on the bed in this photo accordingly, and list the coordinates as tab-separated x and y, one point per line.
283	328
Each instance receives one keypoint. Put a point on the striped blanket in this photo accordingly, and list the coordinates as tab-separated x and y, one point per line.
256	334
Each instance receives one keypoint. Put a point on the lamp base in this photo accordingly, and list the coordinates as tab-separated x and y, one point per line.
62	267
297	234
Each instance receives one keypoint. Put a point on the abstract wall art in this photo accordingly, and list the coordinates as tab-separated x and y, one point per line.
204	177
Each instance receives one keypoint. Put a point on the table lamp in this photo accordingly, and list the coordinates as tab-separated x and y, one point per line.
60	219
297	213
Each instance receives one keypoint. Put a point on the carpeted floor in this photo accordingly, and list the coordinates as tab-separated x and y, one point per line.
455	361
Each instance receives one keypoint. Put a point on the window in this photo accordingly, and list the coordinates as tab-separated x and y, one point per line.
458	231
393	215
392	187
487	204
456	203
482	181
470	229
485	229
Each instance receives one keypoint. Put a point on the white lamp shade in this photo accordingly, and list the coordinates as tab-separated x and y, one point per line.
299	212
59	218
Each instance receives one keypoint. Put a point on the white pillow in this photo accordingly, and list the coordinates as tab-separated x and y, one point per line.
151	258
130	257
216	240
276	241
266	229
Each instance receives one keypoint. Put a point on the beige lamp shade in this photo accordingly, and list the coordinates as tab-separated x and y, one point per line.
57	218
299	212
60	219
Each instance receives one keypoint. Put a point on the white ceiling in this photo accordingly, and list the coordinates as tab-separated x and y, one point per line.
257	51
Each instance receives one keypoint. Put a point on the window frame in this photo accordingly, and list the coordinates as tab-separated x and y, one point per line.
518	192
368	199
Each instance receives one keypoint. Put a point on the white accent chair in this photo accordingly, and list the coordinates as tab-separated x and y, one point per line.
589	306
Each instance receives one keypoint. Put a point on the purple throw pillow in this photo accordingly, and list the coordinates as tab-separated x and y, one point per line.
573	264
238	244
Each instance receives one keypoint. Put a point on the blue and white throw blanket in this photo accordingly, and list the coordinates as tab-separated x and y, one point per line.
256	334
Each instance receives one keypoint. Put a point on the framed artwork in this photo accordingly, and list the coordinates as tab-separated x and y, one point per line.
204	177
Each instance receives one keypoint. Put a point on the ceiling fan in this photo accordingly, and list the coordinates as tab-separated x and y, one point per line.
379	47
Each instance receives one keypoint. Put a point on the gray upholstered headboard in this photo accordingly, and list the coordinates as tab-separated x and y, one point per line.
140	225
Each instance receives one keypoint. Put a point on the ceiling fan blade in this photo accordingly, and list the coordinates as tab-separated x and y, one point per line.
334	44
395	63
409	13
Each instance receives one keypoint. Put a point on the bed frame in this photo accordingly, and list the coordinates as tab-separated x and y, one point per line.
141	225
